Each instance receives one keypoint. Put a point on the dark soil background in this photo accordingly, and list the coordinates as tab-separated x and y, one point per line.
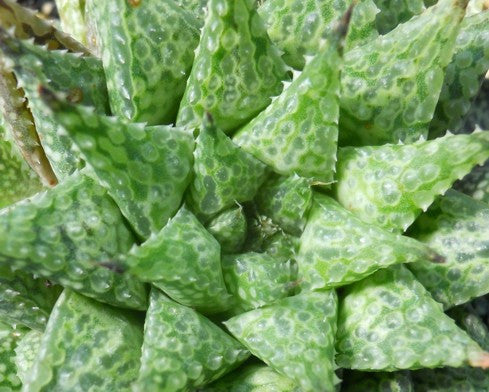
45	7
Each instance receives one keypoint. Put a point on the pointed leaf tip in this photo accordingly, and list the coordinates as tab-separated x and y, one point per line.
482	360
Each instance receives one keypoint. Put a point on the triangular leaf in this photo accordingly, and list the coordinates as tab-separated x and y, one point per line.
338	248
390	185
236	68
362	25
295	336
182	349
72	16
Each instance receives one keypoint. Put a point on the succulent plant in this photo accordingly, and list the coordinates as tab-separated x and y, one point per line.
243	195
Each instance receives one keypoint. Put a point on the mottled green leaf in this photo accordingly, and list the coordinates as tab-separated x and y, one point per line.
338	248
298	131
257	279
295	336
196	7
253	378
183	260
468	320
26	353
390	185
362	27
456	227
286	200
390	322
464	75
26	300
147	48
86	346
298	26
236	68
145	169
182	349
82	78
9	338
377	382
229	228
478	115
390	86
72	16
395	12
476	183
67	235
281	246
224	174
17	179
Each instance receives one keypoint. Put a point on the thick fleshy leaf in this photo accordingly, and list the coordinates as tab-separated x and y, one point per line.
390	185
71	235
298	132
468	320
26	300
390	322
9	338
80	77
464	75
72	15
257	279
298	27
476	183
85	344
182	349
236	70
282	246
456	227
295	336
362	27
223	173
183	260
391	85
145	169
17	179
253	378
196	7
338	248
393	13
377	382
147	48
476	6
286	200
26	353
229	228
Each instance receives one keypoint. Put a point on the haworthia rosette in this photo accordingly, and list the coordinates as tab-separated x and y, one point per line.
390	185
145	169
298	27
393	13
236	69
286	200
253	378
229	228
377	382
26	353
295	336
147	48
72	235
390	322
80	77
257	279
72	17
338	248
298	132
456	227
86	344
390	86
464	75
223	173
183	350
184	261
26	300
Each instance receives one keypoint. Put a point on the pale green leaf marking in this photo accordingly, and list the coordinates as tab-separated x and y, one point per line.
229	228
26	353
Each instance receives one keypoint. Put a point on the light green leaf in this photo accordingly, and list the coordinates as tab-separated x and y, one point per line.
392	13
72	16
183	260
390	86
229	228
390	185
9	338
377	382
295	336
86	344
182	349
26	353
236	70
390	322
362	27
